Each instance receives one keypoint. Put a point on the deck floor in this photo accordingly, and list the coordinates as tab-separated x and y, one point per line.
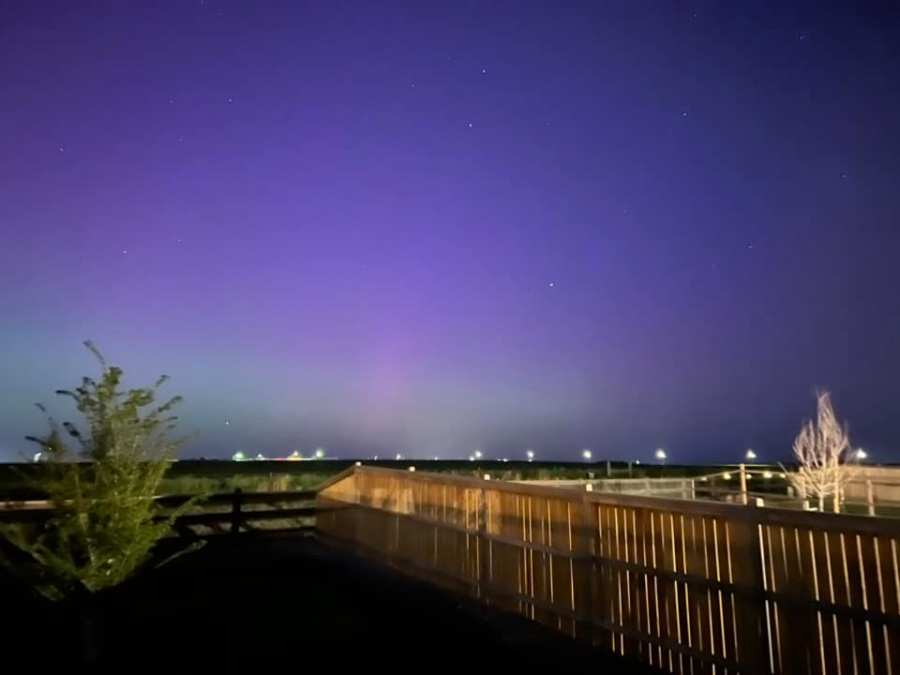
295	601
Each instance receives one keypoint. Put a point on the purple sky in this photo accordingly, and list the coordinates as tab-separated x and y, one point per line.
435	227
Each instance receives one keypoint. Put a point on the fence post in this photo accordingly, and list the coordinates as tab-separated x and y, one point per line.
744	499
754	635
236	511
870	497
480	543
593	549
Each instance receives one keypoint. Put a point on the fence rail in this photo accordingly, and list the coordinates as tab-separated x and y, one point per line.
686	586
229	512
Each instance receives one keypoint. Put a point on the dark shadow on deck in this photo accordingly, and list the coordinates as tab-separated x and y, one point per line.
295	601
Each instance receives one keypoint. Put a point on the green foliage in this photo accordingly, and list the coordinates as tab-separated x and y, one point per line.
275	482
106	522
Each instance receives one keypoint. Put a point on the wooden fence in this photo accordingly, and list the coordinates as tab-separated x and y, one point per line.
229	512
685	586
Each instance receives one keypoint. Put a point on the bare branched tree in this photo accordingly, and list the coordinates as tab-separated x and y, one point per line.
822	453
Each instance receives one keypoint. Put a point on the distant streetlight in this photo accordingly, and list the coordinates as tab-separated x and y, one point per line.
586	454
398	457
259	456
530	455
478	454
661	455
320	453
860	454
239	456
471	458
38	456
750	454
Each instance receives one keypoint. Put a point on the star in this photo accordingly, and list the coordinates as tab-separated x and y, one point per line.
684	113
484	71
843	174
227	423
469	124
124	251
552	284
229	100
62	148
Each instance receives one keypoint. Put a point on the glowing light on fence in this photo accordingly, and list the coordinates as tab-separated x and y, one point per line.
767	474
726	476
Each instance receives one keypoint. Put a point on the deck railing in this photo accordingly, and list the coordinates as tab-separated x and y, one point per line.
685	586
228	512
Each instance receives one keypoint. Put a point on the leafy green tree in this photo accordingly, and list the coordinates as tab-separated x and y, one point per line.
105	524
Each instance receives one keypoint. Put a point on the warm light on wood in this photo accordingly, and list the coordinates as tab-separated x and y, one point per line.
686	586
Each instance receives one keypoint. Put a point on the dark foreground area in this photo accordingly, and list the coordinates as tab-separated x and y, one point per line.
292	601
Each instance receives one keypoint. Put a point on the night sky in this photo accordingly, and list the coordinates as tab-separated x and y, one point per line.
433	227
